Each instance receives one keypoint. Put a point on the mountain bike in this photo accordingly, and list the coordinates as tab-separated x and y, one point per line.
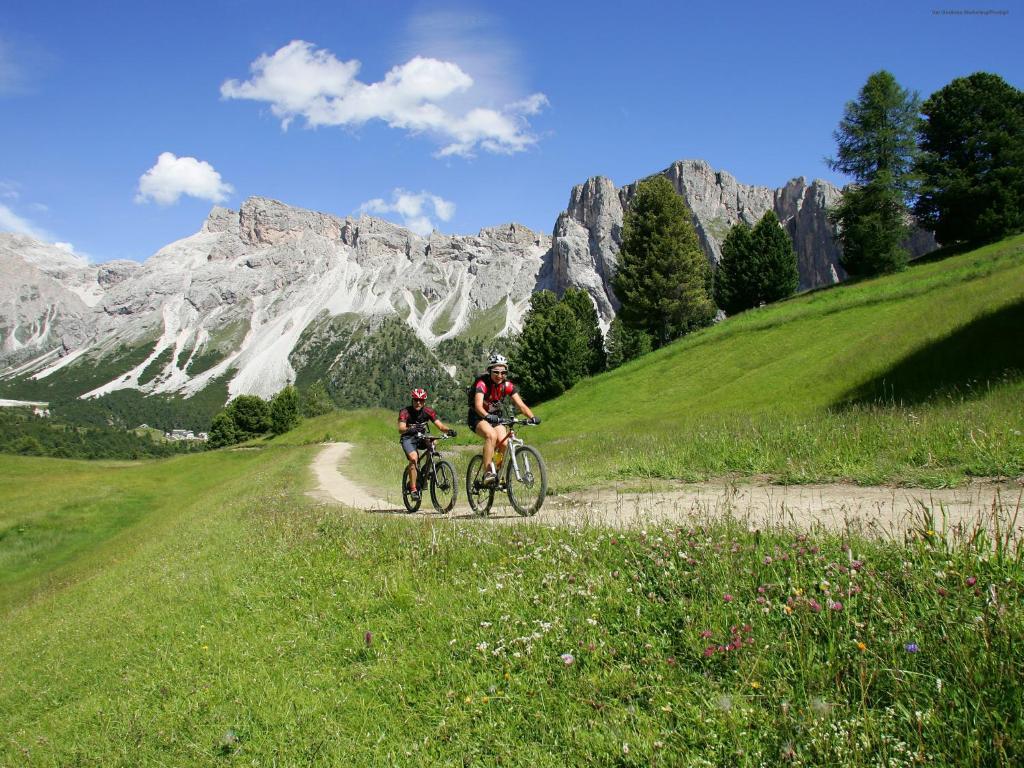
434	472
521	474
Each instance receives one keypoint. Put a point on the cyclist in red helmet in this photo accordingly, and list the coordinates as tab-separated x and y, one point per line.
486	395
413	422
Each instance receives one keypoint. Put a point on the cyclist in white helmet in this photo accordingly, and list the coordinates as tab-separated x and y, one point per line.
486	395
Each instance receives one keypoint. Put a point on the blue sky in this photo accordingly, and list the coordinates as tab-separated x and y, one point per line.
121	123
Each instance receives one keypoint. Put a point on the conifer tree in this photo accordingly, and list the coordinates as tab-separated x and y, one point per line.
284	410
972	161
251	415
551	353
222	431
579	301
735	281
877	147
663	276
624	343
776	274
316	401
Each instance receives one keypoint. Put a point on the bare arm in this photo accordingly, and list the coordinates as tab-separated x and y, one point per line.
523	407
478	405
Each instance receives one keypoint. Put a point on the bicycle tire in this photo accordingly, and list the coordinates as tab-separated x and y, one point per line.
527	492
411	504
480	498
444	487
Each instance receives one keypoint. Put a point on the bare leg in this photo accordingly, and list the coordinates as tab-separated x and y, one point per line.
413	456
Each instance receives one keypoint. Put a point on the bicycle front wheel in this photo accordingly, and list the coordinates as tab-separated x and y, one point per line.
412	501
480	497
443	486
528	486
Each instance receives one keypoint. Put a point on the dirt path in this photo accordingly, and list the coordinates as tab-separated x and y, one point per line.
883	511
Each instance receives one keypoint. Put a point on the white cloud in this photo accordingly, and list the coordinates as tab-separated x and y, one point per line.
413	208
12	222
299	80
174	176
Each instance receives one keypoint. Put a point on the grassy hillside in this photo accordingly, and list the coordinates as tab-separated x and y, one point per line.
912	379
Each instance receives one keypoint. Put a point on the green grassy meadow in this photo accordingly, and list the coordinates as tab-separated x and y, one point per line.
911	379
204	610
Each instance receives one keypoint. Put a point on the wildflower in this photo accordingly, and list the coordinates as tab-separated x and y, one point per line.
709	652
861	646
856	565
625	748
971	581
724	702
815	606
481	647
787	609
911	647
368	638
835	606
754	684
567	659
485	624
727	597
767	560
706	634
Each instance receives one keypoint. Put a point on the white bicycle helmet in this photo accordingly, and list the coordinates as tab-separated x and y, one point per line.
496	360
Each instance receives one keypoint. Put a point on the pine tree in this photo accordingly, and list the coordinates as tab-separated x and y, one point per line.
284	410
579	301
776	271
735	284
625	344
663	276
316	401
876	146
222	431
551	353
972	161
251	415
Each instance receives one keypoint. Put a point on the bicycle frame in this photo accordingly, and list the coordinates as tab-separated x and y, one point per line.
512	443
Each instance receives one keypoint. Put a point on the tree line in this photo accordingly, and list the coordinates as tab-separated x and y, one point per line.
953	164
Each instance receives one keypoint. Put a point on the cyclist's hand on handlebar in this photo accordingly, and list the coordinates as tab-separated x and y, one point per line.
493	419
452	433
533	420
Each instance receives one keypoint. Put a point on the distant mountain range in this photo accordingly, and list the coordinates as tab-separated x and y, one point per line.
271	294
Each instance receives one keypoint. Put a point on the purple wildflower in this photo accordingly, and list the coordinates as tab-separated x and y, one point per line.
911	647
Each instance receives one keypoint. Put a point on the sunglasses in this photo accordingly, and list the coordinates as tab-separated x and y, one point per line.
500	372
417	400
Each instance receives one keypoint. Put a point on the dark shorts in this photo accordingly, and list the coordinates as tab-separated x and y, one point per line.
410	444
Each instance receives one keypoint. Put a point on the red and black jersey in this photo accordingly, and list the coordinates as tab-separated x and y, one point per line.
493	393
412	417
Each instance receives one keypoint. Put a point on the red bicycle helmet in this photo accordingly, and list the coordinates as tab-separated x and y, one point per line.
419	394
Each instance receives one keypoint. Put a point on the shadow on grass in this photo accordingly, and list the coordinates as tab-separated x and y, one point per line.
988	350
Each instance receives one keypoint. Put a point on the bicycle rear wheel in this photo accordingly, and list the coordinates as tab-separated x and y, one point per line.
480	497
412	503
527	490
443	486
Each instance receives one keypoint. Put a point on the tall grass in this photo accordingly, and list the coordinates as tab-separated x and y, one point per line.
248	624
